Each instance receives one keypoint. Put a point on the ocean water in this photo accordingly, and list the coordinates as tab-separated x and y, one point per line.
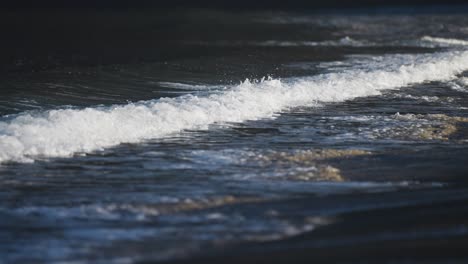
277	125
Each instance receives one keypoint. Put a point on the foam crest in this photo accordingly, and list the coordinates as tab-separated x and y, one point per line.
62	133
446	42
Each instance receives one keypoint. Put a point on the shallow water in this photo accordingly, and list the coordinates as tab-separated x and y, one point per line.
207	149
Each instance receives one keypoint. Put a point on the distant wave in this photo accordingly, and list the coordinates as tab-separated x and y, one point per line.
445	41
342	42
191	87
346	41
426	41
64	132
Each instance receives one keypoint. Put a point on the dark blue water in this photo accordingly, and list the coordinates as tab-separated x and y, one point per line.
179	155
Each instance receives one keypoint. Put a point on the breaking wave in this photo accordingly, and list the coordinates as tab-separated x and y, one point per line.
65	132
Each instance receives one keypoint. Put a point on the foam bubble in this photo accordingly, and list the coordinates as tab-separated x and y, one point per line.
64	132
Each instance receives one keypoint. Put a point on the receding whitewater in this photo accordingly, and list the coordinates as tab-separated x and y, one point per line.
64	132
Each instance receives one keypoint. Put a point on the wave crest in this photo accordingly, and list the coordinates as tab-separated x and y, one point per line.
446	42
64	132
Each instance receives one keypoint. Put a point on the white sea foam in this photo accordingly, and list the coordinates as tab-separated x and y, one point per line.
445	42
460	84
421	98
62	133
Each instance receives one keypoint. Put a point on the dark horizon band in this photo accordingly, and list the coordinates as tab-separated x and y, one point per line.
237	4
